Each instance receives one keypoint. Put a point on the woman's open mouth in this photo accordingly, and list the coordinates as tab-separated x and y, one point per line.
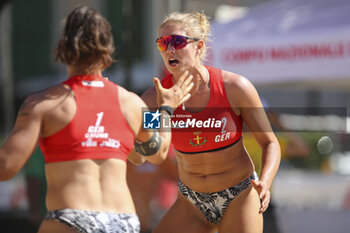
173	62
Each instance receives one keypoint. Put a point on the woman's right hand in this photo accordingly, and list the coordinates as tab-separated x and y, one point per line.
177	94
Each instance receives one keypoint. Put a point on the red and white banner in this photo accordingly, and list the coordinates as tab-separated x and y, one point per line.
265	50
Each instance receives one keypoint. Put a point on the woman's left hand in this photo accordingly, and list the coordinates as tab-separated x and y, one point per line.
264	194
177	94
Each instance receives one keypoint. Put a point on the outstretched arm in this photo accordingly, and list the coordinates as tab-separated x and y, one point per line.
22	141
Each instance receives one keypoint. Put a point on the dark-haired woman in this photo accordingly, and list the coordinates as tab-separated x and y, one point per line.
87	127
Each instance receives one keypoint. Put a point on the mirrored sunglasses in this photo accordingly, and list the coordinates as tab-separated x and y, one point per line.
176	41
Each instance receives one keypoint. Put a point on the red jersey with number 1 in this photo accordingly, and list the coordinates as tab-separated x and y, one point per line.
214	128
97	131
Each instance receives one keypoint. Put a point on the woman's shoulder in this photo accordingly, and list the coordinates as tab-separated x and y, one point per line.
128	98
45	99
239	89
236	84
150	97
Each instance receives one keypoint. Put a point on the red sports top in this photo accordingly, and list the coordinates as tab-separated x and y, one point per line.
214	128
98	129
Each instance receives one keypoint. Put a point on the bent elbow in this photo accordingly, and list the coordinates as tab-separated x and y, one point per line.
6	171
137	162
158	158
163	154
6	176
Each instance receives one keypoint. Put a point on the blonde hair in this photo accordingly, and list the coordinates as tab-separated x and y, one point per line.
195	24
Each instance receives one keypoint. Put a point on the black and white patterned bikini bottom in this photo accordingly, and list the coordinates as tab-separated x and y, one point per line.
96	222
214	205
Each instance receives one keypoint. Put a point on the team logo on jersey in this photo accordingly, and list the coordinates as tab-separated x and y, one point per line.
151	120
198	140
93	83
96	135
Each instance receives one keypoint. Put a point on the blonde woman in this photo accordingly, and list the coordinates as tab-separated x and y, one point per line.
217	187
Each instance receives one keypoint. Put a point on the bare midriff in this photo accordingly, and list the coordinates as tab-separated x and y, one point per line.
215	171
96	185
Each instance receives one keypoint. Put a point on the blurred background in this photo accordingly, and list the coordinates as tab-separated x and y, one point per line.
295	52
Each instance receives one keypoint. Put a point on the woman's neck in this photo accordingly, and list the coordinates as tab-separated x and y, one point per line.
200	79
200	91
77	70
200	76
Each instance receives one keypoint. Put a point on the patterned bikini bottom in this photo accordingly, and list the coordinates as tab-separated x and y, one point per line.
96	222
214	205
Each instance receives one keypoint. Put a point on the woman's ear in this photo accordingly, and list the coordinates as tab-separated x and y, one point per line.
200	45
